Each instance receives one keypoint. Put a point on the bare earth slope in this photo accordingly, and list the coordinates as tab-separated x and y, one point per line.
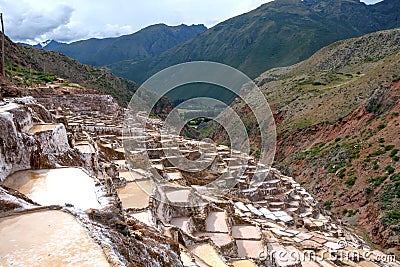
338	129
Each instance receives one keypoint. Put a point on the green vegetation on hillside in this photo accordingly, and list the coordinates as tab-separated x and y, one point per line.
278	33
26	76
146	43
26	65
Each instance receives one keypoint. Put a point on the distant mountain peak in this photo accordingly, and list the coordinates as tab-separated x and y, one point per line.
47	45
148	42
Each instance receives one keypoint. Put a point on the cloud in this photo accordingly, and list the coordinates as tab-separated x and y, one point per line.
370	2
25	22
33	21
38	20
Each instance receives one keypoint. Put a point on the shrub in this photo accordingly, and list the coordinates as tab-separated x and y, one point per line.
391	218
317	83
368	190
342	173
328	204
351	181
381	126
394	153
395	177
377	153
389	169
377	181
389	147
376	165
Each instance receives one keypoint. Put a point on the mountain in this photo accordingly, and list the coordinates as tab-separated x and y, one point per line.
278	33
28	66
146	43
338	128
51	44
47	45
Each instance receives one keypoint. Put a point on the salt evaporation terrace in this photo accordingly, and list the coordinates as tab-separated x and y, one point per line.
235	229
56	187
276	215
50	238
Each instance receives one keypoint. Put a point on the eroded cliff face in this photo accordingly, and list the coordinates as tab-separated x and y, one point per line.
23	145
15	149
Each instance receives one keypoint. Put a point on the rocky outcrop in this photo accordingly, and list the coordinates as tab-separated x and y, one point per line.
16	147
26	141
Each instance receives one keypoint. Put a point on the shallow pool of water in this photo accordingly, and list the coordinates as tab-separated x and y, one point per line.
219	239
246	232
135	195
42	128
249	248
216	222
186	259
182	223
143	217
131	175
48	238
243	263
208	254
178	196
85	148
56	187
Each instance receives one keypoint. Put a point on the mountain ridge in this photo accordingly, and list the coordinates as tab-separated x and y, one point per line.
140	45
46	45
278	33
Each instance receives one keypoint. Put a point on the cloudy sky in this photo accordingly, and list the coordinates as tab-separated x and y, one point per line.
33	21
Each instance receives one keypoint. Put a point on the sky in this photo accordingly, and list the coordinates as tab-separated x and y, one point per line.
33	21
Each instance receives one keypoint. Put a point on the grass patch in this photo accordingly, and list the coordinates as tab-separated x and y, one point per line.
351	213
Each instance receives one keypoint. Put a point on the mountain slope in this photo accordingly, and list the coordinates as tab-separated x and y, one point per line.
338	127
49	62
141	45
31	68
279	33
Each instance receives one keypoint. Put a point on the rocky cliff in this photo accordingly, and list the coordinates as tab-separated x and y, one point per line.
25	145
